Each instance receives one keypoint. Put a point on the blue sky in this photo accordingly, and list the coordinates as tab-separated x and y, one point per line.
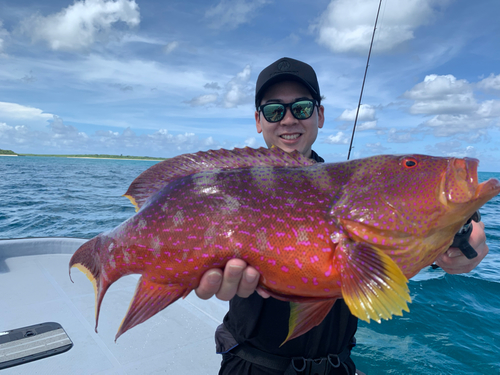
161	78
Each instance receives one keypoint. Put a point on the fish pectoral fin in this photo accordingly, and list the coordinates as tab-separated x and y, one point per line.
306	315
149	299
373	286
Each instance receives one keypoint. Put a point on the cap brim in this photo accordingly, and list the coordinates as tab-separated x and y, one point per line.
280	78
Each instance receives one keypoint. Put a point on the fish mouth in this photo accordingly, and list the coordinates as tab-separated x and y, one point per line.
462	184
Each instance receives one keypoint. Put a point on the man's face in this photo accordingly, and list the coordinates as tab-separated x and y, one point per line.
289	134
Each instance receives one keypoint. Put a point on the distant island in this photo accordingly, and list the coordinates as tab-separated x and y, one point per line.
7	153
83	156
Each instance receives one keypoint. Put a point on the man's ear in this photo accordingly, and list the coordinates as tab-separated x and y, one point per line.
257	122
321	116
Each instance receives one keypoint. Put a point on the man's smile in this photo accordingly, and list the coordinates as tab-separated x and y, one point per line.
290	137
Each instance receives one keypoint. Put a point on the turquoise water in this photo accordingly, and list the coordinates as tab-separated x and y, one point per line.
454	322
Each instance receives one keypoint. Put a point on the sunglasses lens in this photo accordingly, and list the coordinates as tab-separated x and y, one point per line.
303	109
273	112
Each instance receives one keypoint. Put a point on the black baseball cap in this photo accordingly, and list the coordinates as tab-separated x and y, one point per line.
287	69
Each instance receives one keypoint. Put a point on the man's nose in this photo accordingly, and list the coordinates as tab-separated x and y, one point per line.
288	119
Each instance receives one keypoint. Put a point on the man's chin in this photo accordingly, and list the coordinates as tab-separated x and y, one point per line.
289	147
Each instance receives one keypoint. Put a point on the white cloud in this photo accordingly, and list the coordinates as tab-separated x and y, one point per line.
229	14
18	112
338	139
369	125
491	83
375	148
447	125
251	142
489	109
62	138
452	149
442	94
366	113
80	25
453	102
203	100
347	25
3	35
169	47
401	135
212	86
138	72
238	90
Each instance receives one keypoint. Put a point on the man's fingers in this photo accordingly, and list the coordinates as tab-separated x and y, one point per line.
248	282
233	273
210	284
454	262
237	279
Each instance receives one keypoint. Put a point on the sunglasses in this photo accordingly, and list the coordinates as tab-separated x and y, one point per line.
301	110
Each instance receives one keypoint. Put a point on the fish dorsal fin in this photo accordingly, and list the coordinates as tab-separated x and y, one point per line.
155	178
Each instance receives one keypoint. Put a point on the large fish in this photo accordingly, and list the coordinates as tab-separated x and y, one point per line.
356	230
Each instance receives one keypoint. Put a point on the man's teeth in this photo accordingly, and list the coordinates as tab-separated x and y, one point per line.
290	137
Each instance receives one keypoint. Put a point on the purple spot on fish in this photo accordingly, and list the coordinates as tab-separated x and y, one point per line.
298	263
304	279
284	269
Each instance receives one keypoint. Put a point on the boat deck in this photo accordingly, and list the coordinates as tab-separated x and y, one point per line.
35	287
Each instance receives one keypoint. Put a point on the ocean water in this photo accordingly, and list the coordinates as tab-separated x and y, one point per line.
454	322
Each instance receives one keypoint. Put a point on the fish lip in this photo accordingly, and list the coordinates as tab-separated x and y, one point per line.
480	191
471	168
488	189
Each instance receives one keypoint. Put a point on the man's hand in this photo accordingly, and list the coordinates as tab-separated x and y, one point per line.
237	278
454	262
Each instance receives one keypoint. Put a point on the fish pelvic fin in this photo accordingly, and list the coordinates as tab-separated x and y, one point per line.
149	299
152	180
305	316
373	286
87	259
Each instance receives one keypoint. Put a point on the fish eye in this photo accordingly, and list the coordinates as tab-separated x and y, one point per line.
410	163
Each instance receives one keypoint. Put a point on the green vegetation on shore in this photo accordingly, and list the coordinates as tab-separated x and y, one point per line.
94	156
7	152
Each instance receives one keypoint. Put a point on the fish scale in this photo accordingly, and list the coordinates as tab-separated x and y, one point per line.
316	232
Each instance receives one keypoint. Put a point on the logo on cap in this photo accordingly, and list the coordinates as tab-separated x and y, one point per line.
284	65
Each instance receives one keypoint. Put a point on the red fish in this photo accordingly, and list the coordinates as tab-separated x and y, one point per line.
356	230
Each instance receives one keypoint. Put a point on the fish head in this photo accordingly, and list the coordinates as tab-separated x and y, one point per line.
410	204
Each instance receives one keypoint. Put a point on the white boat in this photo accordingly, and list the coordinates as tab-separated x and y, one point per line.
35	287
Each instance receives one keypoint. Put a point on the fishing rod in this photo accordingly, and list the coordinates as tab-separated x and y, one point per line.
364	79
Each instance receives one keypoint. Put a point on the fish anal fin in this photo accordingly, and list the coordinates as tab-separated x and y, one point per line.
304	316
373	286
149	299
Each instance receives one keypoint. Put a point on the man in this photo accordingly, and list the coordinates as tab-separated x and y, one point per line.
289	114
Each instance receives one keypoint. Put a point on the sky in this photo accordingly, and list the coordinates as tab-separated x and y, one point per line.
163	78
